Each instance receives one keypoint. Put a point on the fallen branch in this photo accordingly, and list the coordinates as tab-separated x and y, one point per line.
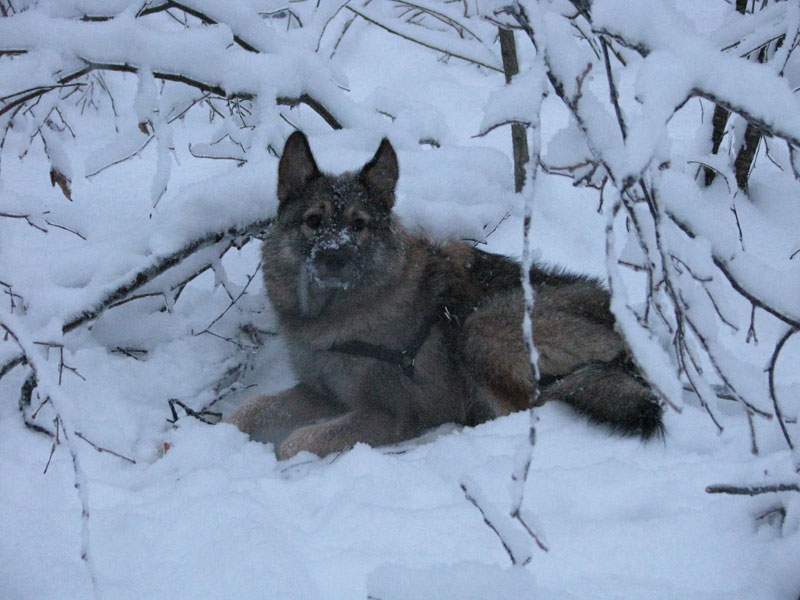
200	415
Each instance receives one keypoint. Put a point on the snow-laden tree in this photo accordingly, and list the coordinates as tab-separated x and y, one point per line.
703	254
701	235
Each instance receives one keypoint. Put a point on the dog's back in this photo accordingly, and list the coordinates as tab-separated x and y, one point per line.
582	359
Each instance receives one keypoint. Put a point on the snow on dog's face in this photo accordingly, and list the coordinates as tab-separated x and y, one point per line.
333	231
337	225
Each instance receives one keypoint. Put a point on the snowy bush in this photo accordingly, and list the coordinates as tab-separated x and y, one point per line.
138	149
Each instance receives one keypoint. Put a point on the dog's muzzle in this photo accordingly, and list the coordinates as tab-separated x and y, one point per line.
334	267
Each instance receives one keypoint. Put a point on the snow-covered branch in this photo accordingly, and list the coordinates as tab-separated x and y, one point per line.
49	389
208	247
218	241
514	541
655	30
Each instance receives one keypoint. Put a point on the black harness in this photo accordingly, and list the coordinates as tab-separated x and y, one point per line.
405	358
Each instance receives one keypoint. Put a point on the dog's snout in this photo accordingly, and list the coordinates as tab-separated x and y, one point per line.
334	259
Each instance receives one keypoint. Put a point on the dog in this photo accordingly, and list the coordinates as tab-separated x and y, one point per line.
391	334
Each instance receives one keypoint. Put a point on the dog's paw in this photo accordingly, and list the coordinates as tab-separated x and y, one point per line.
288	449
318	439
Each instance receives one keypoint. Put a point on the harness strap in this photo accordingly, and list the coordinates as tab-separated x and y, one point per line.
405	359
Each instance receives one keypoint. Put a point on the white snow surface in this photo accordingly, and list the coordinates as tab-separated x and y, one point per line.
206	513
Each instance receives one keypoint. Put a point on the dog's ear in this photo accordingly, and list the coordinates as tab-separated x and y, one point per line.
297	166
381	173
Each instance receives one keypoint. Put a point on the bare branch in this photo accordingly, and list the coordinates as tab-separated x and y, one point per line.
458	26
741	287
754	490
208	88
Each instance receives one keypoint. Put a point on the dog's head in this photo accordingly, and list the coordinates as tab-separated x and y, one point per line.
340	225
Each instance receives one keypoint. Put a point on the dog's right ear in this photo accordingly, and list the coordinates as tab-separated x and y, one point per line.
297	166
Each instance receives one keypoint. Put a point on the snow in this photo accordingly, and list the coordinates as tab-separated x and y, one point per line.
202	512
217	515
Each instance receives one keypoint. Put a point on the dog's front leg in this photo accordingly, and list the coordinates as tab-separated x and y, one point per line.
375	428
272	418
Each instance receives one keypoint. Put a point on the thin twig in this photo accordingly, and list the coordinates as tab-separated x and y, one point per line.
101	450
159	266
773	394
612	90
754	490
489	524
459	27
199	415
236	299
422	43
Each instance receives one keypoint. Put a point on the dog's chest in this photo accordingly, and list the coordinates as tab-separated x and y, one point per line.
389	363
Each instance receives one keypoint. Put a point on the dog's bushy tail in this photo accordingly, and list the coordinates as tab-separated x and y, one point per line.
613	394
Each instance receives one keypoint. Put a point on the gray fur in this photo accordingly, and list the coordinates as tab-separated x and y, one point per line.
339	268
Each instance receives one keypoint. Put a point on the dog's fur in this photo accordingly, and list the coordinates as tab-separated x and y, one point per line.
350	285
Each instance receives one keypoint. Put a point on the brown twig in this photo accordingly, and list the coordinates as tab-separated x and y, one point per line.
102	450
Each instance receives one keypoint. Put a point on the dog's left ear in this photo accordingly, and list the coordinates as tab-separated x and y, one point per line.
381	173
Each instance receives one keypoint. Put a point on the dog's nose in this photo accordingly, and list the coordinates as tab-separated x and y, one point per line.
334	260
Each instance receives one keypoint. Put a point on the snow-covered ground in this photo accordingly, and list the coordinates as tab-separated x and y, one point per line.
205	513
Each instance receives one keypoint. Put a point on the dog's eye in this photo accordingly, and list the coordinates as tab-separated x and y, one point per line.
314	220
358	224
